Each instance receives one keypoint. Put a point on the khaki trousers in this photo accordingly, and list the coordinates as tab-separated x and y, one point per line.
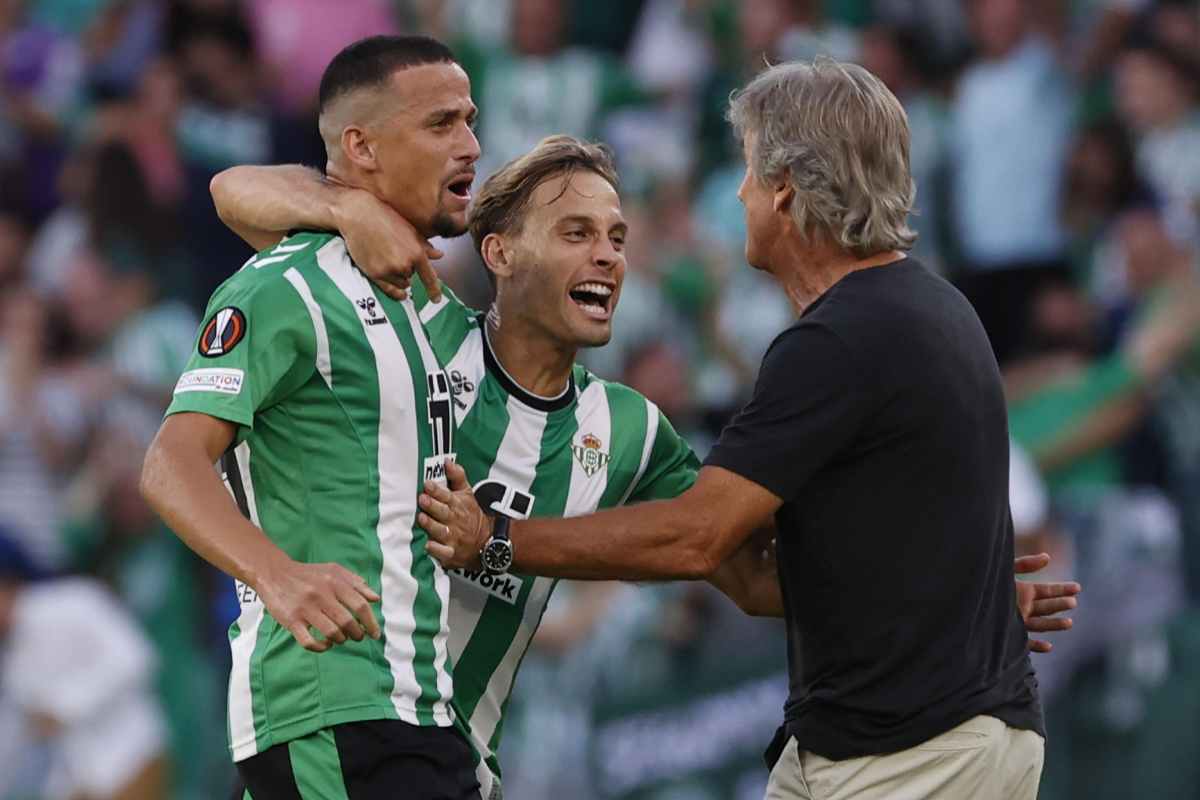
981	759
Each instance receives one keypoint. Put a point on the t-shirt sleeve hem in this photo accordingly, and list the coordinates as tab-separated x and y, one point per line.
727	458
197	405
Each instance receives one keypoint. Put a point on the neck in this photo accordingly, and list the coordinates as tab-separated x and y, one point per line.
808	271
535	362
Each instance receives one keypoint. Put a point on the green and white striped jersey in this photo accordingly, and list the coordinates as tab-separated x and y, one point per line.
597	445
342	412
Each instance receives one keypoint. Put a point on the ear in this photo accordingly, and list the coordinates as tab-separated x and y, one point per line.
497	255
785	193
358	148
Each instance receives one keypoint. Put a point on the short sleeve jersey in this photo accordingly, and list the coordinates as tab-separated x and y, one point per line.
342	411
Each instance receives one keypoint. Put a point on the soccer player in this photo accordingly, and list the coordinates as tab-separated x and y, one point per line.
539	435
327	408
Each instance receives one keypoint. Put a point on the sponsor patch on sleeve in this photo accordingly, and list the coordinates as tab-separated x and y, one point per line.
222	381
222	332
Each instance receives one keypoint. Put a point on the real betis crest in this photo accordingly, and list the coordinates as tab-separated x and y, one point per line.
589	455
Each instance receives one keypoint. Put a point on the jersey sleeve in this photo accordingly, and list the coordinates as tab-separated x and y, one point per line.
255	347
671	468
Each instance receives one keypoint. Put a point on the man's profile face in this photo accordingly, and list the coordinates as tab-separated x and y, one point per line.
426	148
570	260
758	204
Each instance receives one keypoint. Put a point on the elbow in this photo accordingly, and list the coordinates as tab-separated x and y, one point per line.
148	483
221	189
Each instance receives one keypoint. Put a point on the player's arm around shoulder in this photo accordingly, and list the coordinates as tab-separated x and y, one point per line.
261	203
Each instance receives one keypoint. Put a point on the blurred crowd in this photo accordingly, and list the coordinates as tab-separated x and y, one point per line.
1056	149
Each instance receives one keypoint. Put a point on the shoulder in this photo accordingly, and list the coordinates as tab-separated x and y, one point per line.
627	408
807	339
269	278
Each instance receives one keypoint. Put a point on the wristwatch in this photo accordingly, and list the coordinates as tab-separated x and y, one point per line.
497	552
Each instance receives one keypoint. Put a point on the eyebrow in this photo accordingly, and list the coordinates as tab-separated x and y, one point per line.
441	115
576	219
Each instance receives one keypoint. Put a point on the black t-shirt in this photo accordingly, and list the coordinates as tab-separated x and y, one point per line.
879	420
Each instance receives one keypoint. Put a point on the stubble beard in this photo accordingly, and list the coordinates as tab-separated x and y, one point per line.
446	227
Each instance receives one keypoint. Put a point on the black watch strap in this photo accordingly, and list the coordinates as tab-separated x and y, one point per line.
500	525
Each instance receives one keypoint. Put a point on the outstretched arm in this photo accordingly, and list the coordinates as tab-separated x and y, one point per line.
687	537
261	204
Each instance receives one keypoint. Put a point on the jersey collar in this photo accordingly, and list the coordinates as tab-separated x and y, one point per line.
514	389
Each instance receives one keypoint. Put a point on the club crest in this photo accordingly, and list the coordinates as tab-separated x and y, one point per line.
589	455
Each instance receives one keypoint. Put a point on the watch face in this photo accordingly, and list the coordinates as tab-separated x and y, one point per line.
497	555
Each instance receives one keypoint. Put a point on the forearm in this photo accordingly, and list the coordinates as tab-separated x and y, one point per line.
261	204
181	485
659	540
750	578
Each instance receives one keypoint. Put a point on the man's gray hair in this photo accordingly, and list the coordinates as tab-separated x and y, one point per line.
840	137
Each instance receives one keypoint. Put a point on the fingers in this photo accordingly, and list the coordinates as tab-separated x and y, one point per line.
1027	564
309	642
456	476
1044	591
355	598
1040	646
395	288
1048	624
1054	605
438	492
432	253
436	530
328	628
441	552
362	610
434	508
1044	608
429	277
358	582
344	616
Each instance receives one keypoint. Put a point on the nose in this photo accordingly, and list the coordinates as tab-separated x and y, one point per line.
605	255
470	146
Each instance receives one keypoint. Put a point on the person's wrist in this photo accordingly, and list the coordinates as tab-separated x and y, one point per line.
487	526
496	552
262	571
340	206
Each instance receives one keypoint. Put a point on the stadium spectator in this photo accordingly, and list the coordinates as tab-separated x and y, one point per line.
897	56
1011	120
540	84
79	671
30	469
1157	95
